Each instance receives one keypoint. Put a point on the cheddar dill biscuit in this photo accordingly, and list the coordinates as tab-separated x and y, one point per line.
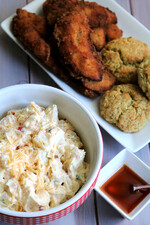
122	57
126	107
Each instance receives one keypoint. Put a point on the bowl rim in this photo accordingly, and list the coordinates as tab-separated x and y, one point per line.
124	157
87	186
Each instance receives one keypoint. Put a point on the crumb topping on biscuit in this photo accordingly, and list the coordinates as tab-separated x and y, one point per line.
144	76
126	107
122	57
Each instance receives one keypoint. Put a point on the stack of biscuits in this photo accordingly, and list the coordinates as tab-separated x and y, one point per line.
127	104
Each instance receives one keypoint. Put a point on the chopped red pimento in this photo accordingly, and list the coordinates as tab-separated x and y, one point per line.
26	145
20	128
13	113
40	208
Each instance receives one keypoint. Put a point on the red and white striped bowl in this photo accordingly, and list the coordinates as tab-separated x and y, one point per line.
85	125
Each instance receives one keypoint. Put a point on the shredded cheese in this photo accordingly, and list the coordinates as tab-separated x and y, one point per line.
36	152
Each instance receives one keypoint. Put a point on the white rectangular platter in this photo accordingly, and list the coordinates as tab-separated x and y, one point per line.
130	27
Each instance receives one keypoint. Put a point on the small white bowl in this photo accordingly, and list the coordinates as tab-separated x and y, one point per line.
70	108
135	164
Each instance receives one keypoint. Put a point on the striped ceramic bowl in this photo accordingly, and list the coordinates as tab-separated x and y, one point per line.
86	127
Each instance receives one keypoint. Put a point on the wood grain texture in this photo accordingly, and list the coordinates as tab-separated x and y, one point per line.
140	10
13	61
124	4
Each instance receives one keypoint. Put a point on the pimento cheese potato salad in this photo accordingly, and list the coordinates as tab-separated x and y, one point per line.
41	159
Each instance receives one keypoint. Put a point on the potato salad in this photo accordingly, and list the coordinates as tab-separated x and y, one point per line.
41	159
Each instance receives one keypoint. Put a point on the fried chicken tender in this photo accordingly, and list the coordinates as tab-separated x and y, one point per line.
69	53
76	84
29	29
97	15
98	37
72	33
108	80
100	18
45	8
37	22
53	9
113	32
101	35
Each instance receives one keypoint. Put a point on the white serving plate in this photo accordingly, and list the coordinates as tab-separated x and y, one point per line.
131	27
134	163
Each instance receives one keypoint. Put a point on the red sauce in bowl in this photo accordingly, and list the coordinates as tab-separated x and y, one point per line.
119	189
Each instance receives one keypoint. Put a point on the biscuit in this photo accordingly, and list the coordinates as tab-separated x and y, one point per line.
122	57
126	107
144	76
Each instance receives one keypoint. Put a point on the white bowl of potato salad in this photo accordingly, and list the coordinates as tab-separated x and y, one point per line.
51	151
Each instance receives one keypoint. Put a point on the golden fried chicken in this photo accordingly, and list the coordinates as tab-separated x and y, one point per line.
108	80
97	15
72	33
98	37
113	32
99	18
76	84
72	55
101	35
31	19
53	9
29	29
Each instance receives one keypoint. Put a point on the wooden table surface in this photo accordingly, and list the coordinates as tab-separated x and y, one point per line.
17	68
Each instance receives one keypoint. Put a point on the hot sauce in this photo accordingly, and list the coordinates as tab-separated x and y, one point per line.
119	189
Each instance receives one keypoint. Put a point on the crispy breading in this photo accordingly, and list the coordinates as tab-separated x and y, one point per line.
99	18
108	80
72	56
101	35
56	65
37	22
75	83
72	33
113	32
98	15
58	68
53	9
45	8
98	37
29	29
29	32
87	92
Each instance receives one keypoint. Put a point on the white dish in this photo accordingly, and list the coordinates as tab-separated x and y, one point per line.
131	27
140	168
